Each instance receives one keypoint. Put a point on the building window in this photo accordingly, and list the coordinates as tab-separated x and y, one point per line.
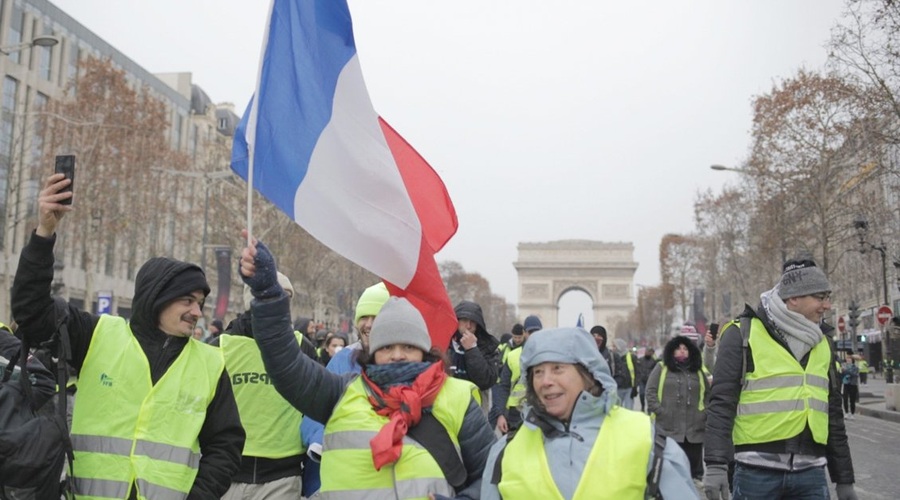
176	131
223	123
45	57
72	66
16	28
7	127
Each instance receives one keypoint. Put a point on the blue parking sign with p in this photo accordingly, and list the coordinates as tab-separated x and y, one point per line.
104	302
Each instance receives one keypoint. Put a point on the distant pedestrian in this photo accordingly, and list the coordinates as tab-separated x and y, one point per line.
676	393
863	371
850	380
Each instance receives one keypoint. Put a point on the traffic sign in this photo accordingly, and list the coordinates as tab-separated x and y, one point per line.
884	315
842	325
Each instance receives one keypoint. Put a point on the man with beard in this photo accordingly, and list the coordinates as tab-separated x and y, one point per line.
155	414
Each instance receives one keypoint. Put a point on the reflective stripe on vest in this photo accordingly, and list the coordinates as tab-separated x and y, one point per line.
270	422
615	469
779	398
347	470
125	430
662	382
517	389
629	361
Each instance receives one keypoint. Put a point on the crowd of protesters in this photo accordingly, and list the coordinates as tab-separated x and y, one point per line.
270	408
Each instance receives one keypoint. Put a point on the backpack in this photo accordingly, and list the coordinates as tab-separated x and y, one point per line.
34	444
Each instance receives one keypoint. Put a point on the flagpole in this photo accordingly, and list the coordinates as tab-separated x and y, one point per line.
251	125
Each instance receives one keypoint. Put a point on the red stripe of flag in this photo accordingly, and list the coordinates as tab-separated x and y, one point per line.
437	218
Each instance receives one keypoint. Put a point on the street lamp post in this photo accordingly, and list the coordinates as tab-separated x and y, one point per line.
861	224
38	41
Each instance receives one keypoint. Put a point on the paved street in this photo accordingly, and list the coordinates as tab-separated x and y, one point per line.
875	445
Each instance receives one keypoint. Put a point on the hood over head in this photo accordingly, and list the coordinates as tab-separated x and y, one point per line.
471	311
160	281
570	345
695	361
301	324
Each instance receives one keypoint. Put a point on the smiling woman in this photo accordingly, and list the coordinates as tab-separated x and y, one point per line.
570	397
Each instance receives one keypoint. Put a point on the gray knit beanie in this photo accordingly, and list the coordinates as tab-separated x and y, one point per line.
399	322
801	277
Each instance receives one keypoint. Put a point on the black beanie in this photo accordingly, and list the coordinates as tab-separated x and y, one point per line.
184	283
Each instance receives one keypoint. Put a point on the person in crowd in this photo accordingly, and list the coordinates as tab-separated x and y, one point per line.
402	427
271	466
676	393
335	343
617	365
473	351
775	404
198	334
626	355
505	345
155	414
511	390
306	326
645	365
850	382
863	370
342	362
518	335
215	329
321	338
576	442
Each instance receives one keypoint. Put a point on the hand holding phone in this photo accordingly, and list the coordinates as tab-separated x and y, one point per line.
714	330
65	164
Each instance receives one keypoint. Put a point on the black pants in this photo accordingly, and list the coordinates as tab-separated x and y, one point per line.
850	395
694	452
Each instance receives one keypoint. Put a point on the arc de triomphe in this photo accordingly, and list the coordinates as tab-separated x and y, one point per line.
605	271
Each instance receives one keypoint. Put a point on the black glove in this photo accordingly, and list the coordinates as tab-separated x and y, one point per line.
634	392
845	492
264	284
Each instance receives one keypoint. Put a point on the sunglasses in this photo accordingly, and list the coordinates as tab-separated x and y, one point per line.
821	296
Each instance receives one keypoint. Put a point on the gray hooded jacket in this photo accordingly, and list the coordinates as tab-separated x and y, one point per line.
568	449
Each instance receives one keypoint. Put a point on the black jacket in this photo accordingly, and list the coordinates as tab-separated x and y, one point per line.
316	392
726	391
480	366
221	436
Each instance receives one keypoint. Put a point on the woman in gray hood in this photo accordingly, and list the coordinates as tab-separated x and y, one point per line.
576	442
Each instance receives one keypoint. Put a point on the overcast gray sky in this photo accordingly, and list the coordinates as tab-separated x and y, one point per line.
547	120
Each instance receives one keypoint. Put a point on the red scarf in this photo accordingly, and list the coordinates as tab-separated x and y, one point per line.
403	405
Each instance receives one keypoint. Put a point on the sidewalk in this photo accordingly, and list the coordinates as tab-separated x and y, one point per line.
871	401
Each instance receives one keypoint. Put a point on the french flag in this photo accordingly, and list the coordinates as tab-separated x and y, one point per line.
319	151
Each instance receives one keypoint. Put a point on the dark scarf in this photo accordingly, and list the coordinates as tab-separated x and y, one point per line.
405	389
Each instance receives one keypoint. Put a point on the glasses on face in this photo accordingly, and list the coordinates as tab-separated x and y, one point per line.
821	296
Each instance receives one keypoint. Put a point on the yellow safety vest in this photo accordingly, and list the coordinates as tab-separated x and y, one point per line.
347	470
863	366
517	386
779	398
270	422
629	361
701	380
615	469
126	430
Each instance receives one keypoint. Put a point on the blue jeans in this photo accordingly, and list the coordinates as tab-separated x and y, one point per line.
751	483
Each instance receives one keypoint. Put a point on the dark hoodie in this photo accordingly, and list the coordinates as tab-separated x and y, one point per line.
221	436
617	364
479	366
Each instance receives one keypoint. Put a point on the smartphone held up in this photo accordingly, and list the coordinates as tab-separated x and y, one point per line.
65	164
